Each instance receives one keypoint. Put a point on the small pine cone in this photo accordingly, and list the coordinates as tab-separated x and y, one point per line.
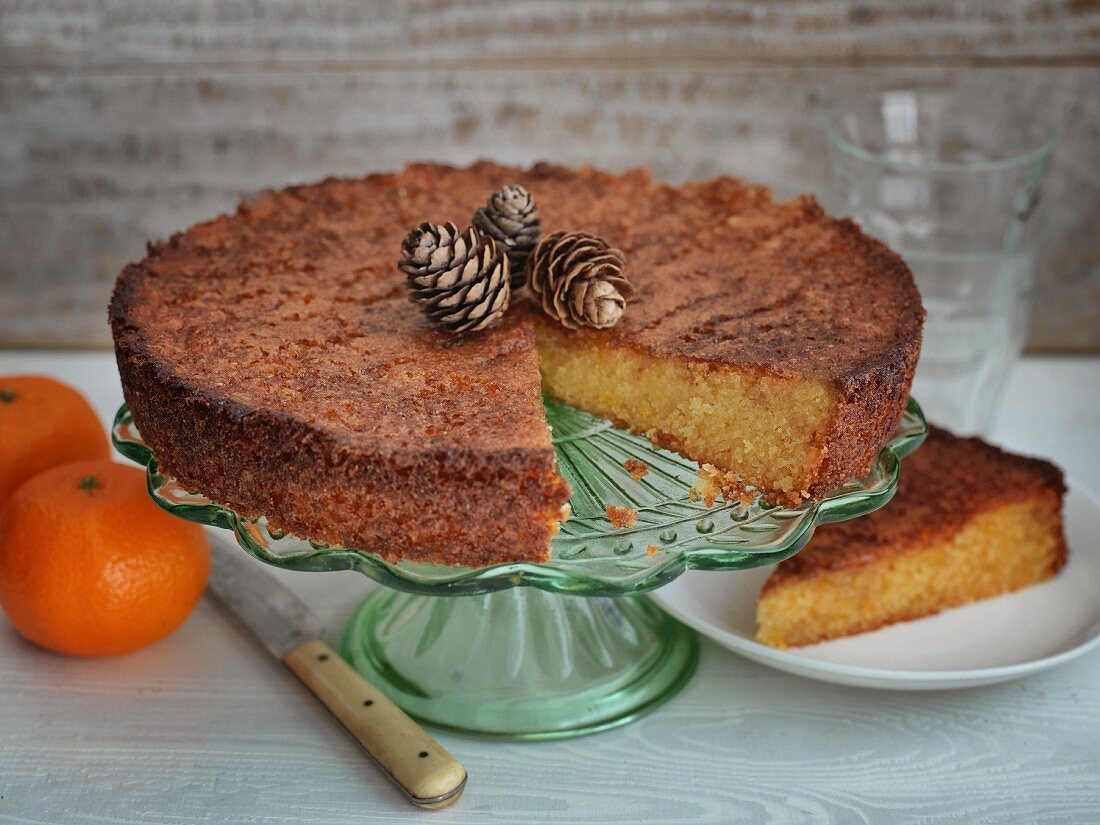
578	279
460	280
511	218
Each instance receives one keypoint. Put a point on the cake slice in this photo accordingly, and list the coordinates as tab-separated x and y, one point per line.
969	521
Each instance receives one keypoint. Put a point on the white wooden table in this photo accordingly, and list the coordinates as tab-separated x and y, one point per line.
205	728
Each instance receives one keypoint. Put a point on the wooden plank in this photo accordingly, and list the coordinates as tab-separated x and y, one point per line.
141	35
94	166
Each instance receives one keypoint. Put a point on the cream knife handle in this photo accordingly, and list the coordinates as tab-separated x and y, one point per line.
429	776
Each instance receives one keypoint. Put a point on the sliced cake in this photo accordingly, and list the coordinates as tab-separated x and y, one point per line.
969	521
272	359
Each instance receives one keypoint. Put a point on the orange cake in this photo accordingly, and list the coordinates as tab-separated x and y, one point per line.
968	522
272	359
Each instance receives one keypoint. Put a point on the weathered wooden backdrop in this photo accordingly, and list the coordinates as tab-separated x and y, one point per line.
123	120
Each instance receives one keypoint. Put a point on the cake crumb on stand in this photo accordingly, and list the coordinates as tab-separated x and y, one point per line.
713	482
708	486
621	517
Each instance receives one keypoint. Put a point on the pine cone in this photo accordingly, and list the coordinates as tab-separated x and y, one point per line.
460	280
578	278
511	218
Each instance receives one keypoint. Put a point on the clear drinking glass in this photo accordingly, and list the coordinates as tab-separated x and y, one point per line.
954	186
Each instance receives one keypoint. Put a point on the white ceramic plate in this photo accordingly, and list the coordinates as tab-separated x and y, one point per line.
979	644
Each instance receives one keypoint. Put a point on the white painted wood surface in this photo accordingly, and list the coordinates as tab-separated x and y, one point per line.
206	728
413	32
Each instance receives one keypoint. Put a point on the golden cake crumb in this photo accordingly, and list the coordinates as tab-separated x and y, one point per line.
708	486
653	549
621	517
637	469
714	482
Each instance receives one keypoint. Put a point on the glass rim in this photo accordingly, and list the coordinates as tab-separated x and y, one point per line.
843	144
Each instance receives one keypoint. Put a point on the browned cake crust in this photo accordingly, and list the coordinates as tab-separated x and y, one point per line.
943	485
271	357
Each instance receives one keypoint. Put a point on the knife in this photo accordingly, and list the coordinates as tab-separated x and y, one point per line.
428	775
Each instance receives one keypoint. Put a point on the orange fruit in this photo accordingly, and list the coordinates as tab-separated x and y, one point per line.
43	423
90	566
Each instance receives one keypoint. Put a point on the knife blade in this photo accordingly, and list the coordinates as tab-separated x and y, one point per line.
426	773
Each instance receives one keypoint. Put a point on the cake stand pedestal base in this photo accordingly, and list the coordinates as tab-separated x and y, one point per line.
520	663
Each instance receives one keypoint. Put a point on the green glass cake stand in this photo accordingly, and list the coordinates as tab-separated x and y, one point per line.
532	651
